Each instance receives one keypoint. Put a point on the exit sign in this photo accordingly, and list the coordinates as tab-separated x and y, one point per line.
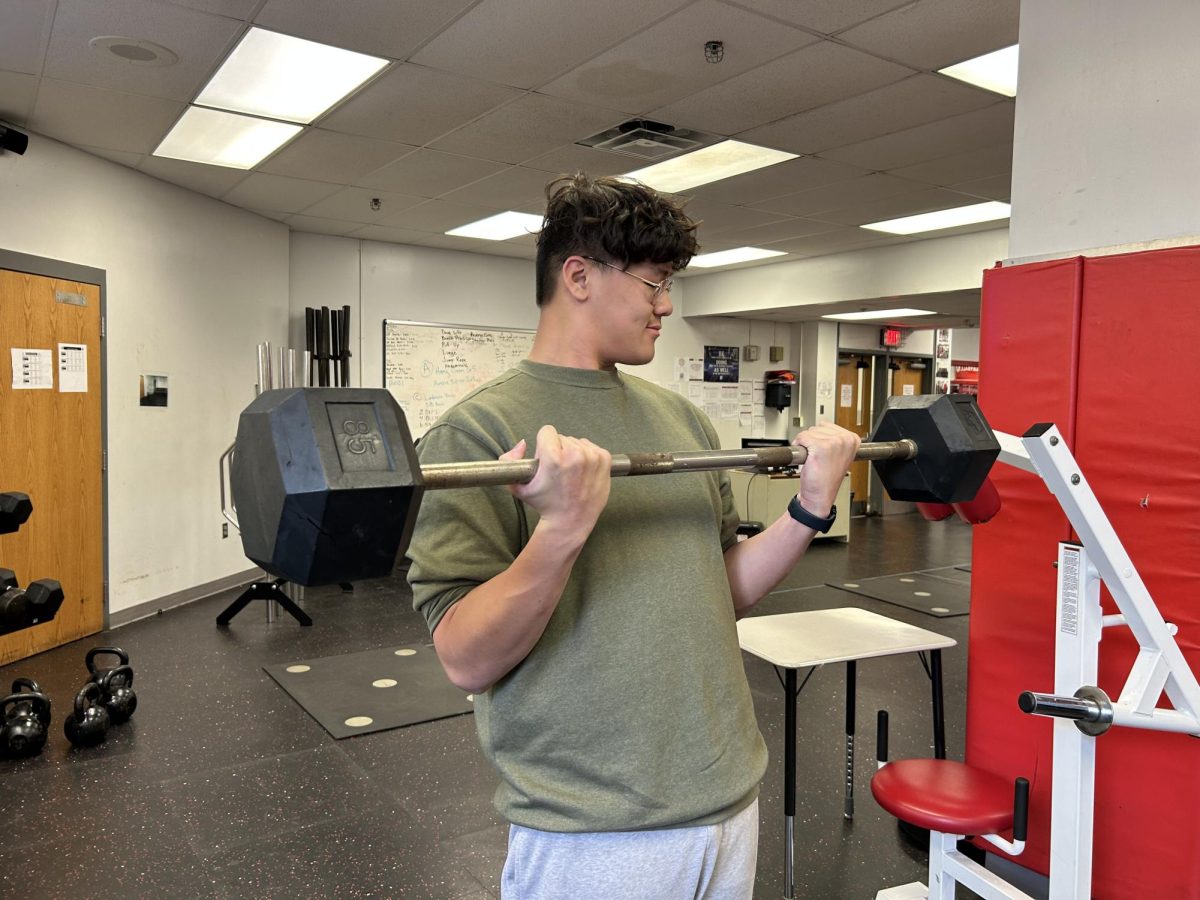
890	337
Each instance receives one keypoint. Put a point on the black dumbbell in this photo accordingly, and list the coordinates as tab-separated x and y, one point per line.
14	610
116	693
8	579
15	509
116	682
88	722
44	597
26	717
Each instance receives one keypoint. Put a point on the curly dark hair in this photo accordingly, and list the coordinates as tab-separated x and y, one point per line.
621	222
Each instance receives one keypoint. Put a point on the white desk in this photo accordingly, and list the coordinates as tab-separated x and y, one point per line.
812	639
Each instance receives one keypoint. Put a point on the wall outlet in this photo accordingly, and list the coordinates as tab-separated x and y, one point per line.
224	529
797	422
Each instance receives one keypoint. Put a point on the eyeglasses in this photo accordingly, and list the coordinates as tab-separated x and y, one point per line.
660	287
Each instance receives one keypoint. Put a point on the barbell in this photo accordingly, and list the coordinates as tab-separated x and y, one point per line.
326	481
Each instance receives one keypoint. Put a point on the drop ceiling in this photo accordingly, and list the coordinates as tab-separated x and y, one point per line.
483	101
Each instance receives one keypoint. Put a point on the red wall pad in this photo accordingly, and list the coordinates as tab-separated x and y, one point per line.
1105	349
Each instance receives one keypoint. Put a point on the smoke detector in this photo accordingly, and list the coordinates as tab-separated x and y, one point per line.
134	51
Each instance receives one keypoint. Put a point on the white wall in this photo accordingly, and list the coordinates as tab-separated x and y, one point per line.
193	286
1106	127
929	266
964	343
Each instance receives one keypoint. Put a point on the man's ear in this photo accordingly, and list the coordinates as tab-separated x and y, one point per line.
575	275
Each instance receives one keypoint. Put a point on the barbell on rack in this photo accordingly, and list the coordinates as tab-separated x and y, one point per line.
326	482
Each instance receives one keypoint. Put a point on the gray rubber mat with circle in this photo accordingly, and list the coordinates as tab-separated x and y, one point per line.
925	592
358	693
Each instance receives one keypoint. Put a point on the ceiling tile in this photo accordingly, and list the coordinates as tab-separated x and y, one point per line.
329	156
413	105
718	217
838	241
25	34
428	173
437	216
17	92
524	44
998	187
215	181
78	114
450	242
773	181
277	193
571	158
835	196
932	34
913	101
120	157
316	225
199	39
353	204
818	74
786	229
378	27
233	9
895	207
508	248
995	159
509	189
991	125
826	16
279	216
527	127
665	62
387	233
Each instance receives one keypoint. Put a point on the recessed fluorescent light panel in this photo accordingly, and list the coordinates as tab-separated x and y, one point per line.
706	165
282	77
224	139
944	218
879	314
500	227
995	71
729	257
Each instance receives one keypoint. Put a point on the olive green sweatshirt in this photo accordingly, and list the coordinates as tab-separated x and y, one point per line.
632	711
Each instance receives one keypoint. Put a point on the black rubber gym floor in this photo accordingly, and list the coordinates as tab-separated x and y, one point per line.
222	786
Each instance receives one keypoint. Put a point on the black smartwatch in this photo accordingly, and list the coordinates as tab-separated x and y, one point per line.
804	517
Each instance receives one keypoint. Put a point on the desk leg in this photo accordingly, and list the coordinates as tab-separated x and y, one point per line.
851	678
939	707
789	780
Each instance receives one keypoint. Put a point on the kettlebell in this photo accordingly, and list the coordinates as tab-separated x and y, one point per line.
29	686
116	693
88	722
26	715
97	673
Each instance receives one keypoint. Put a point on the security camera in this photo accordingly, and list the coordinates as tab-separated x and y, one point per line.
11	139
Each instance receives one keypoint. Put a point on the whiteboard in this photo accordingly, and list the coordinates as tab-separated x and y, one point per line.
429	367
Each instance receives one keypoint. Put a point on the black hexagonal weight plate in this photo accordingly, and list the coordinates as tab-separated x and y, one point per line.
956	448
326	483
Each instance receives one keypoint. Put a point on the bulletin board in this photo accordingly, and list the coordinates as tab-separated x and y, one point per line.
429	366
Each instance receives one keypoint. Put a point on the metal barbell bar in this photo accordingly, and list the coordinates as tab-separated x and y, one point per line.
521	471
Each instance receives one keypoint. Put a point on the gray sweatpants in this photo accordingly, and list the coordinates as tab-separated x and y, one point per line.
707	862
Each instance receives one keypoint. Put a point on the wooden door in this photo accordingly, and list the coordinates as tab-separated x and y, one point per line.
854	413
50	449
907	380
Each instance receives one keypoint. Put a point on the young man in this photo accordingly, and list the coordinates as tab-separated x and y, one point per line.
594	617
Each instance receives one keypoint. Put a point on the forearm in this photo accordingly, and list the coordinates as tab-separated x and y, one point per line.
756	565
489	631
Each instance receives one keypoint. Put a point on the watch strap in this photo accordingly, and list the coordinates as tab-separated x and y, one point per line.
817	523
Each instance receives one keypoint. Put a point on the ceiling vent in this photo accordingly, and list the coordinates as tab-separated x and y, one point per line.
644	139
